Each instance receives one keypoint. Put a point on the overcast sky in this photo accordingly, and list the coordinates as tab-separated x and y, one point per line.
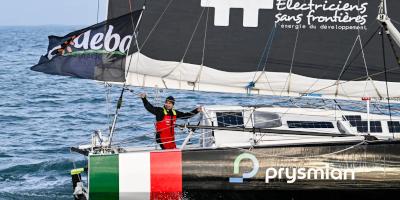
50	12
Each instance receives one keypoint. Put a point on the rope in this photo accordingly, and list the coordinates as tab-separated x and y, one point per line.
108	108
346	67
288	79
187	46
203	51
251	149
356	79
241	125
157	22
362	49
266	52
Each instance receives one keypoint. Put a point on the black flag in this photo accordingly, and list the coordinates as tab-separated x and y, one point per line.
96	52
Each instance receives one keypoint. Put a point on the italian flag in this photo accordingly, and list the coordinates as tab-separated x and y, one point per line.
138	175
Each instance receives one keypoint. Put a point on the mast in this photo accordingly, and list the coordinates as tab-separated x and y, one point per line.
390	29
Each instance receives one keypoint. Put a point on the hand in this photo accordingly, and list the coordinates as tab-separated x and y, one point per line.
142	95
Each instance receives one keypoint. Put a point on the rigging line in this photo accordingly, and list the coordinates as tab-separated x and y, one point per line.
98	8
344	66
187	46
288	78
269	43
204	47
267	56
137	47
357	79
365	65
269	83
108	108
134	29
375	88
397	22
263	53
135	137
268	48
106	84
135	36
315	82
365	62
156	23
119	103
203	53
384	66
223	115
355	57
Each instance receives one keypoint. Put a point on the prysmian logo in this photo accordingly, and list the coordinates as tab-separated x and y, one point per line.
236	165
290	174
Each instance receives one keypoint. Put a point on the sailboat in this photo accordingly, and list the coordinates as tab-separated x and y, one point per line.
317	49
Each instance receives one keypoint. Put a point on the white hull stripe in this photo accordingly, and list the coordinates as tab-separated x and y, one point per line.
134	176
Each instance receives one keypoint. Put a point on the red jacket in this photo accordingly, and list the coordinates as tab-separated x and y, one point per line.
165	123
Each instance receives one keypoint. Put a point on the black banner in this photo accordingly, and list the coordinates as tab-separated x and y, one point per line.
96	52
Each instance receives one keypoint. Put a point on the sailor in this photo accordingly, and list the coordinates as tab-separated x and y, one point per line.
165	120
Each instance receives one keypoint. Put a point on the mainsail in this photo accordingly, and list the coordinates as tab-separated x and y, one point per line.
282	47
324	48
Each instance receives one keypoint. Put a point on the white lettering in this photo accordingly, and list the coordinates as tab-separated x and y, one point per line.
336	174
268	176
125	43
315	172
109	37
332	12
95	41
293	174
291	177
85	41
302	173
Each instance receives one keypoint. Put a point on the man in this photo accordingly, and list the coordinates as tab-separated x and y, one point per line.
166	118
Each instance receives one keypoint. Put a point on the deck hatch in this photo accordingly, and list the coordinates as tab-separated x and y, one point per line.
309	124
362	126
230	119
394	126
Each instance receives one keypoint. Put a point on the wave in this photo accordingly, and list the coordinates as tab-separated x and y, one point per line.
4	155
59	166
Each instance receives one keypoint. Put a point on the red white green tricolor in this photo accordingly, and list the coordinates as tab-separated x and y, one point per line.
138	175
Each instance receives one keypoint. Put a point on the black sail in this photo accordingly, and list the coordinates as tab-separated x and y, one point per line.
310	38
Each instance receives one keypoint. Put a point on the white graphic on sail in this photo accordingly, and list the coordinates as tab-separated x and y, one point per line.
250	10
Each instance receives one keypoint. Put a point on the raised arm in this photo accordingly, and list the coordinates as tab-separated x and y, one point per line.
185	115
148	106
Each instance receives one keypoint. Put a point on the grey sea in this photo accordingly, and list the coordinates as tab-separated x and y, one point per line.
42	116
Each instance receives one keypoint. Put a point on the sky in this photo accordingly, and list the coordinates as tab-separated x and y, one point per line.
51	12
